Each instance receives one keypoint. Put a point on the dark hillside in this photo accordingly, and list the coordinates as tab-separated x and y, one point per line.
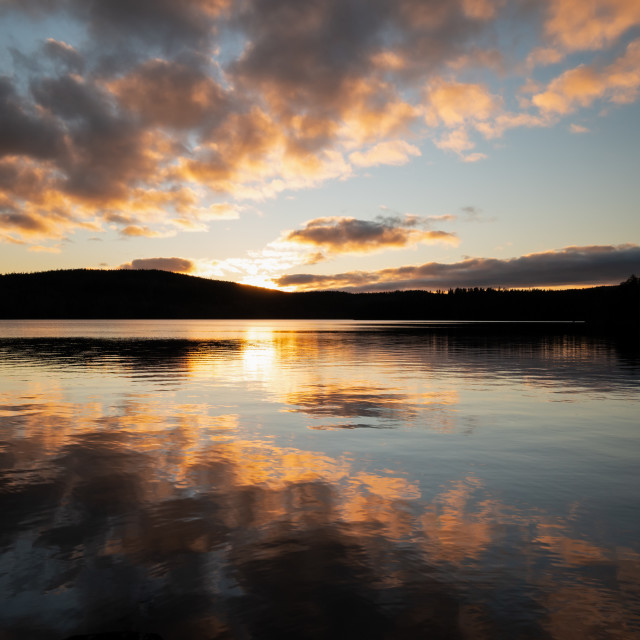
160	294
128	294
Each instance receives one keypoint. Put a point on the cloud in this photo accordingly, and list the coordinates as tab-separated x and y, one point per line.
178	265
72	157
108	153
474	157
455	103
619	82
544	56
481	9
575	24
222	211
137	231
171	94
571	266
164	23
45	249
458	107
27	223
154	109
479	58
63	53
578	128
321	64
25	131
323	239
349	235
457	140
496	127
394	152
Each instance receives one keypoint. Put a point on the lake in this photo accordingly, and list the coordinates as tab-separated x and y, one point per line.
302	479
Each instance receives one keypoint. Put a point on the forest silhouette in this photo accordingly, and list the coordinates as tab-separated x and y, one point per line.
152	294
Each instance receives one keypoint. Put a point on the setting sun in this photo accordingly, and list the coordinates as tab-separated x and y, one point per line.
397	146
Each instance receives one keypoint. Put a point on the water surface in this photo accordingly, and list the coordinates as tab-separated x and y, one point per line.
301	479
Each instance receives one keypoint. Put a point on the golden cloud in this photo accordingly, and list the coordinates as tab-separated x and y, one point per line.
481	9
455	103
588	265
137	231
575	24
578	128
152	121
171	94
458	106
392	152
349	235
619	82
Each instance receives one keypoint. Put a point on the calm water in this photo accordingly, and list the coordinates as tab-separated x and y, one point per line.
219	479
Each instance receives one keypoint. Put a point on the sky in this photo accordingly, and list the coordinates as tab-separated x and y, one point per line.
361	145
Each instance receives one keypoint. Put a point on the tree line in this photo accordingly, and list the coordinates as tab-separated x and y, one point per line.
85	293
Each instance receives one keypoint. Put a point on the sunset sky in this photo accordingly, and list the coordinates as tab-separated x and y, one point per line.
306	144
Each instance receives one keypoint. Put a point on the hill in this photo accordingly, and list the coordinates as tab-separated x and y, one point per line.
84	293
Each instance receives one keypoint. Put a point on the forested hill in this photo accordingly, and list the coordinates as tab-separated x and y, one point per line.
160	294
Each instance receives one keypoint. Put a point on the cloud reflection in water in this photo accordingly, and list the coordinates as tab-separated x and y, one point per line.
139	491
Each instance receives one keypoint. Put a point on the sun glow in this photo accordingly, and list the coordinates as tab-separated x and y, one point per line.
259	280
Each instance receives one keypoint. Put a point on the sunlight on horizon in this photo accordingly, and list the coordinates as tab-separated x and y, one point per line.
419	146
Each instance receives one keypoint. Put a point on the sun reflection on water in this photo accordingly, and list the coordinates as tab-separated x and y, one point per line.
140	491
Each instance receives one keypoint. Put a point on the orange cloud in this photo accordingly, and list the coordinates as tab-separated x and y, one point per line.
459	106
152	120
322	239
238	149
491	59
394	152
454	528
254	504
26	223
544	56
171	94
455	103
221	211
565	267
497	126
481	9
136	231
372	110
44	249
578	128
474	157
578	24
96	161
349	235
388	60
580	87
457	140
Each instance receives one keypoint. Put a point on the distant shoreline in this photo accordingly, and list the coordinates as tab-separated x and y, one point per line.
161	295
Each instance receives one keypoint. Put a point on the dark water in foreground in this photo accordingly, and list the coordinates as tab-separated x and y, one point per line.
316	480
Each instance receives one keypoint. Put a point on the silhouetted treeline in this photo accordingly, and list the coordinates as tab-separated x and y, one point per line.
85	293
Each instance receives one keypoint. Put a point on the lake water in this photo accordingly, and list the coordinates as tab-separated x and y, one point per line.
298	479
